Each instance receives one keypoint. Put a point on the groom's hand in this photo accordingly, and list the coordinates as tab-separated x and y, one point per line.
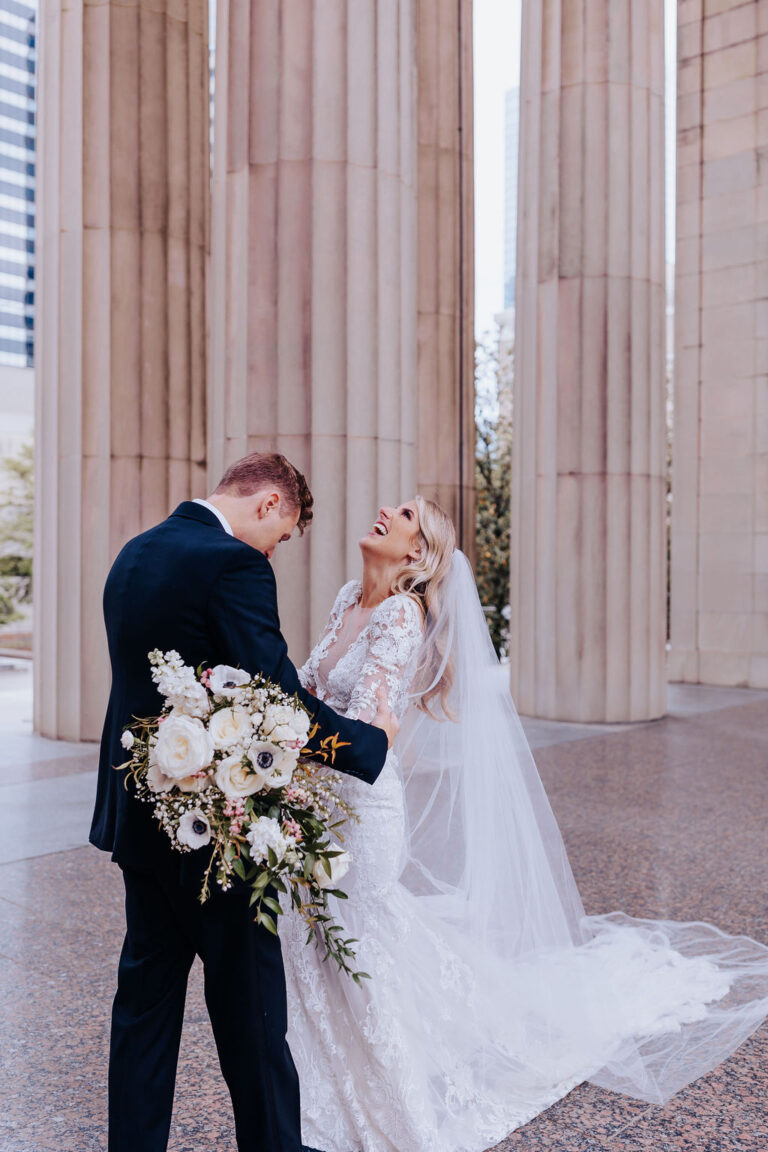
385	718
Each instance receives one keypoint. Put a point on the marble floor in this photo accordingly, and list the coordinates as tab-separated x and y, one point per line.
664	819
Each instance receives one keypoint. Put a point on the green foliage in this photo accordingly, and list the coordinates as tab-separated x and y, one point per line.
16	534
493	447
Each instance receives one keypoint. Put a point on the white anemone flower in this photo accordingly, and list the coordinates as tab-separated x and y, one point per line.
226	681
194	829
273	762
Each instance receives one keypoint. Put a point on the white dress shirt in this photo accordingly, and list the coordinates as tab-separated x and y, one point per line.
220	515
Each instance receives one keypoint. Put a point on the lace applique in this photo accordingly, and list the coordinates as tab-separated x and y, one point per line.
394	1064
443	1050
383	654
345	598
394	637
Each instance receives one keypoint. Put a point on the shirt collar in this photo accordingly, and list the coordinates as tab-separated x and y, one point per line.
219	515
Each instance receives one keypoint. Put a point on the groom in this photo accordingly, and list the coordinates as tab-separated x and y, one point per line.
202	583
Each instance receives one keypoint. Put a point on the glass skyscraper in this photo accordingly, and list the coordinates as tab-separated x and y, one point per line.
17	180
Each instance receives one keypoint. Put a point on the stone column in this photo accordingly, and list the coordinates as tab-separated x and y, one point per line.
588	484
120	327
446	261
719	631
313	281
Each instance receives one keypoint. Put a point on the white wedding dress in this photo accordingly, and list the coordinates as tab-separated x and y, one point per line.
468	1029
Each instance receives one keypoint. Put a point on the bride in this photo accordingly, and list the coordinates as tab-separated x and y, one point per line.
491	993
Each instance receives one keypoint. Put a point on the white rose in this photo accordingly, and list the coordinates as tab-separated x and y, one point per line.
265	833
183	747
127	740
226	681
194	829
236	778
339	868
157	780
230	726
193	783
276	764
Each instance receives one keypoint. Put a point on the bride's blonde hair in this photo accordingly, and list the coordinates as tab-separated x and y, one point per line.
421	579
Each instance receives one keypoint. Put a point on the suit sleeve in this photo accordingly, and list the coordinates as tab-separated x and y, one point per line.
244	619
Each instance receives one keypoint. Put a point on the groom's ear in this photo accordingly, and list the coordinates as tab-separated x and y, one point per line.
268	502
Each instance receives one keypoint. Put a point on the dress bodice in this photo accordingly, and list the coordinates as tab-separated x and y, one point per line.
347	675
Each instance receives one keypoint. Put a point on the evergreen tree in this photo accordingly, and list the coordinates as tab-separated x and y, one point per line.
16	534
493	448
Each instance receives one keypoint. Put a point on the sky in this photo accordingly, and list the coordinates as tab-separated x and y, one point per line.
497	68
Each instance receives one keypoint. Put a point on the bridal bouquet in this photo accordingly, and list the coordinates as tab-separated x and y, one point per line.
227	768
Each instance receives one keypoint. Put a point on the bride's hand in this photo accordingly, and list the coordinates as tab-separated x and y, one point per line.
385	718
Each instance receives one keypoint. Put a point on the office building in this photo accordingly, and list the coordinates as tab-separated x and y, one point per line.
17	181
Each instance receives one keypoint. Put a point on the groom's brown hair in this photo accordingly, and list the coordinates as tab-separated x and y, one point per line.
270	469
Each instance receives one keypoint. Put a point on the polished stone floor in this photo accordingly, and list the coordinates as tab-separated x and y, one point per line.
664	819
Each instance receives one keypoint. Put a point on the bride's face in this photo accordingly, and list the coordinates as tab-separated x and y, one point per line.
394	537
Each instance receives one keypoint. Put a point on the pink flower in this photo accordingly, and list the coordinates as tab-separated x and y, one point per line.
291	828
235	811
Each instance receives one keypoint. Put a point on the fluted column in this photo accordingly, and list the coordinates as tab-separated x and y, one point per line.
587	573
120	326
719	610
446	261
313	279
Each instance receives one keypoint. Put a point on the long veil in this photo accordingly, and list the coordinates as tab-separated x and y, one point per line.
643	1007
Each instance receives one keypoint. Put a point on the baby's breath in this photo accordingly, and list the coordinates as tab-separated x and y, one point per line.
276	839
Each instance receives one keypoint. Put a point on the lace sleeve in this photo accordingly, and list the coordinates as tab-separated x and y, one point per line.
395	635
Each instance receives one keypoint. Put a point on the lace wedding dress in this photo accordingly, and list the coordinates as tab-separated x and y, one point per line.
464	1033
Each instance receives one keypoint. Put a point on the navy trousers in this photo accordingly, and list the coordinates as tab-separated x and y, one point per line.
245	995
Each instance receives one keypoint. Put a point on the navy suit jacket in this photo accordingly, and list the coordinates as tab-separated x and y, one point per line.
188	585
